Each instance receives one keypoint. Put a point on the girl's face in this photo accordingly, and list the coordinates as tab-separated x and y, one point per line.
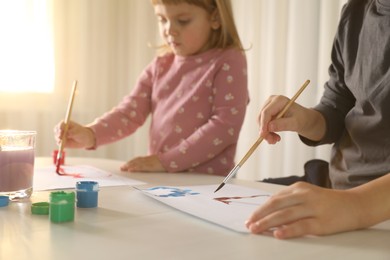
185	28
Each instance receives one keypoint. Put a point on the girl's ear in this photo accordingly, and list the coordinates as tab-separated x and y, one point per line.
215	20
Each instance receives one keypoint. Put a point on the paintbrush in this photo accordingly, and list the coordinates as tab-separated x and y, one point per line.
260	139
66	126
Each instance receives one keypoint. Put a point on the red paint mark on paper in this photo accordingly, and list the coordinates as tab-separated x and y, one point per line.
228	200
74	175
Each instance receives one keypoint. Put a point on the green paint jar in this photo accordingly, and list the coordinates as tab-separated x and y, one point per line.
62	206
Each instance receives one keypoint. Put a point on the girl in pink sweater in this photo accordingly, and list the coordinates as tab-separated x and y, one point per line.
195	91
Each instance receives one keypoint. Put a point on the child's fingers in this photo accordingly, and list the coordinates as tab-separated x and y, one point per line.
58	131
300	228
269	112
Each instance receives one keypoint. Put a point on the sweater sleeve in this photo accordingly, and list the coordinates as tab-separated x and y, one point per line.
337	100
222	128
131	113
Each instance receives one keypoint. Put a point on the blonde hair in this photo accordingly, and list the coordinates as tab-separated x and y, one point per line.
226	36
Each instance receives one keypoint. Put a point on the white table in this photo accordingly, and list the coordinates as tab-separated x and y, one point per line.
129	225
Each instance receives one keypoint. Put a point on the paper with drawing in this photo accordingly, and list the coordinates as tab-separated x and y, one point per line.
45	178
229	207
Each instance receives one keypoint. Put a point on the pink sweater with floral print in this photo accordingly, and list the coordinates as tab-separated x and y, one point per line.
197	105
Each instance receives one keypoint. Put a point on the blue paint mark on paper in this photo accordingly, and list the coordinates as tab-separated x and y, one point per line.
165	192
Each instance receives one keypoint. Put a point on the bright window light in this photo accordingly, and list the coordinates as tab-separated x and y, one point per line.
26	46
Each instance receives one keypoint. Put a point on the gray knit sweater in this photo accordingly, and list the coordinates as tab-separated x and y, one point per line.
356	99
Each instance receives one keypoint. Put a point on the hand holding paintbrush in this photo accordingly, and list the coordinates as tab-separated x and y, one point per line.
66	122
260	139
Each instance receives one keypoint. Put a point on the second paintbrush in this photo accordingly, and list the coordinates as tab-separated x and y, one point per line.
66	122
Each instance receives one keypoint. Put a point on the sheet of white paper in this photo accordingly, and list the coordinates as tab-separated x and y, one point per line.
45	178
230	207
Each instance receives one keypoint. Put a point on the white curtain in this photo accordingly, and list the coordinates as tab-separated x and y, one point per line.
104	45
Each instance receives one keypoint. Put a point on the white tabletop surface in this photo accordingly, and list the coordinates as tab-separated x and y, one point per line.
129	225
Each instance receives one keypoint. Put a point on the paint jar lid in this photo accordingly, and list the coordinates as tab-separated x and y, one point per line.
40	208
62	197
4	201
87	186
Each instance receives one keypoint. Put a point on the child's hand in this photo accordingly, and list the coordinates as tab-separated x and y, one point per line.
269	125
77	136
149	163
306	122
305	209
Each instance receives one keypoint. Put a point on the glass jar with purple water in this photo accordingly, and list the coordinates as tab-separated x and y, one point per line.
17	163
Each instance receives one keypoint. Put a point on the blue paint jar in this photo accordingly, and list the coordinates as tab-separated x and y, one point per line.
87	194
